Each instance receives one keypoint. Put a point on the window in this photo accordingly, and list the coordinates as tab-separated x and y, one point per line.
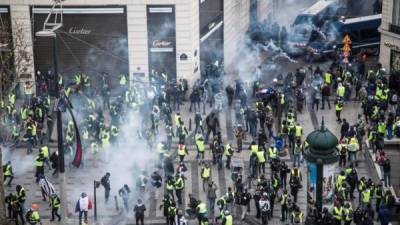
395	62
396	12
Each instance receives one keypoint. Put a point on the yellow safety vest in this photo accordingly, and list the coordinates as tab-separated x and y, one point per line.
366	196
228	148
179	184
45	151
206	172
349	214
254	149
283	199
272	152
337	212
38	162
229	220
8	170
260	156
55	202
328	78
200	144
299	131
35	217
202	208
340	91
170	186
339	180
181	150
338	107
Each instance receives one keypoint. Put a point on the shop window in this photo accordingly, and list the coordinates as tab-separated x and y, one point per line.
395	62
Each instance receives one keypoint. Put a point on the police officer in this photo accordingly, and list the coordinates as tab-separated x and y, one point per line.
297	216
337	214
338	109
55	203
8	173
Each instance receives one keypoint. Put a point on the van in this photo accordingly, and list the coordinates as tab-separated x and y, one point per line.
363	32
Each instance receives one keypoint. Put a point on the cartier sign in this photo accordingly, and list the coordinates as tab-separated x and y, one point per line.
77	30
161	44
392	46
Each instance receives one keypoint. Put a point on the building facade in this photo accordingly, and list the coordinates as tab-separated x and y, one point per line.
140	37
390	36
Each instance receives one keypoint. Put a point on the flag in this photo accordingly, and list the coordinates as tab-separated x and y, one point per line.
79	151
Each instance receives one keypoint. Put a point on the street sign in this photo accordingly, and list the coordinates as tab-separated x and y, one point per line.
346	40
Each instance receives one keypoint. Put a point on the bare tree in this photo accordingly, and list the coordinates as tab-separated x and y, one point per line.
3	217
15	57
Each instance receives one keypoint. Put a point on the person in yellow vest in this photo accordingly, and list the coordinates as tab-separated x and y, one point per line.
169	187
338	109
33	216
179	188
352	148
340	179
182	152
382	128
105	138
297	216
228	153
178	121
39	163
55	203
46	154
283	200
261	161
11	99
8	173
200	146
205	175
366	196
337	214
297	151
228	218
171	214
253	147
328	78
298	131
272	153
348	214
340	90
342	148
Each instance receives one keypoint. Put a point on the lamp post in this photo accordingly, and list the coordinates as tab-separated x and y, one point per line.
320	152
96	184
60	147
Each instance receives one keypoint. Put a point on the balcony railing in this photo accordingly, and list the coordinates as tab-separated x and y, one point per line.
394	28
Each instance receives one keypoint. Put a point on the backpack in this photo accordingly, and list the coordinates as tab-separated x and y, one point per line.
394	99
230	197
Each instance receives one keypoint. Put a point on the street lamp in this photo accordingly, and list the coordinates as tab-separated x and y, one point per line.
321	154
96	184
53	22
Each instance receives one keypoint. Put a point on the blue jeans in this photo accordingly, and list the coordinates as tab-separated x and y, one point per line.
211	204
296	159
389	132
386	178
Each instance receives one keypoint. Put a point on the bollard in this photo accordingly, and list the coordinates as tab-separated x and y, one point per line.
190	124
